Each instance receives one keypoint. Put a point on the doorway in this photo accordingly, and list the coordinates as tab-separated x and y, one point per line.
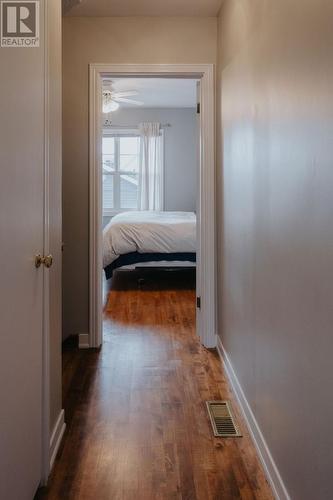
205	208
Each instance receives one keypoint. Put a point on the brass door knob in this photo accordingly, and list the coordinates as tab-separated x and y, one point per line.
47	261
38	260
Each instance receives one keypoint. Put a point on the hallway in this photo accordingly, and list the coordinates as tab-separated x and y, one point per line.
137	426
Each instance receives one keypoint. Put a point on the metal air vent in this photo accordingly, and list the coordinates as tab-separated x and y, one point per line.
222	419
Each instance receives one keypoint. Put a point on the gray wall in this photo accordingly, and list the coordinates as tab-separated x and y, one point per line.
276	242
108	40
180	151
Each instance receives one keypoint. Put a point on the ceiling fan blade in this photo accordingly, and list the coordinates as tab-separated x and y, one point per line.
124	93
130	101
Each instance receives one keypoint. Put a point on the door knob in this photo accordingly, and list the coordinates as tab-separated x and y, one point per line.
47	261
38	260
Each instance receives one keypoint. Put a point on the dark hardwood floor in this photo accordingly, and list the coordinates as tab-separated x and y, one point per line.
137	426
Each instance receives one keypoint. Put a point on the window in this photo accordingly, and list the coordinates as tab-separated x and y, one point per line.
120	157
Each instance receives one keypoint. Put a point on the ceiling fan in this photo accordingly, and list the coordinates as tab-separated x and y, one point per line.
112	98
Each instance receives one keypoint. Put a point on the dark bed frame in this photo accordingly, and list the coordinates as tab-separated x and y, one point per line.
139	258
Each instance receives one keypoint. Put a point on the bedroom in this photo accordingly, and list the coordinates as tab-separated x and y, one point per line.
150	162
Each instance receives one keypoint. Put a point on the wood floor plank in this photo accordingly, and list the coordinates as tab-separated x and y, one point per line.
137	426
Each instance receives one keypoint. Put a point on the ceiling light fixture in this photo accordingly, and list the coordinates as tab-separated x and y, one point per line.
109	104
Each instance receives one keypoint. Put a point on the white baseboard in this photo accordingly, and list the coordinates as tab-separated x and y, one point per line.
56	437
270	468
84	341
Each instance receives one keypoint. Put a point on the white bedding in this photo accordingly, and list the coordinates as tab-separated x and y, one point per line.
149	232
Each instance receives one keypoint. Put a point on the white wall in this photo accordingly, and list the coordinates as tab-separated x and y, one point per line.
180	151
275	185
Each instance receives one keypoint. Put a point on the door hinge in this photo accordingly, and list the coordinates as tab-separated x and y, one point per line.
198	108
199	302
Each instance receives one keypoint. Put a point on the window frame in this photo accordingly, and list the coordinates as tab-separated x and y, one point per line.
117	134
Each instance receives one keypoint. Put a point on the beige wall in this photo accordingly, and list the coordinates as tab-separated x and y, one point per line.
276	242
108	40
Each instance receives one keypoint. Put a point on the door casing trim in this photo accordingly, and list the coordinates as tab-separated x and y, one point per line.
46	282
206	255
51	437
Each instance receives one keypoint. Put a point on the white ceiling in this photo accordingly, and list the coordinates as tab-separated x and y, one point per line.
121	8
159	92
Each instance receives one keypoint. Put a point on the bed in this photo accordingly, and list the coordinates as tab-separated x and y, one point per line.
159	238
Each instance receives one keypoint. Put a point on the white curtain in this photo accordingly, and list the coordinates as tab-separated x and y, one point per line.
151	167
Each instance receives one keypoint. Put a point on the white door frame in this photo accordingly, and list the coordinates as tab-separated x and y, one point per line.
49	448
46	281
206	267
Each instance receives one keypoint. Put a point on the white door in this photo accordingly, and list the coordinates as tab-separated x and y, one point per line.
21	284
